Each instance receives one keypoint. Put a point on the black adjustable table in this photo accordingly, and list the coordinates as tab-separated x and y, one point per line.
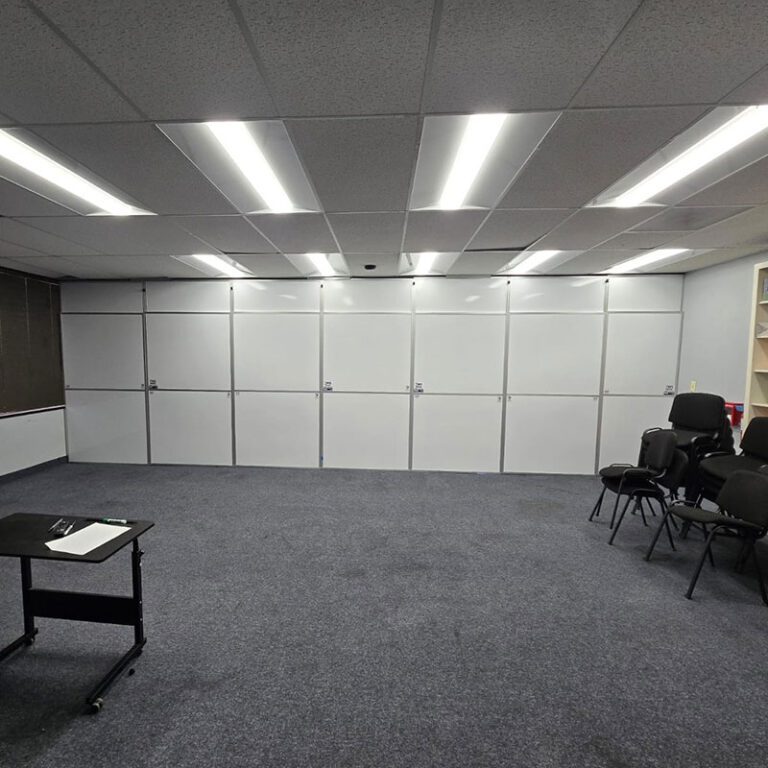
24	536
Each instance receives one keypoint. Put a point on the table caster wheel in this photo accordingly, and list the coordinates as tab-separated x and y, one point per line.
96	706
29	641
131	671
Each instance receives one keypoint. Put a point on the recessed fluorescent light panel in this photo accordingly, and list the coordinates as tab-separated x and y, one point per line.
214	265
646	260
725	141
427	262
531	262
25	161
468	161
253	164
319	264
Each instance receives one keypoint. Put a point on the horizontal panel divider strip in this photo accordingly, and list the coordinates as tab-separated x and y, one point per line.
557	312
139	313
103	389
550	394
277	312
279	391
32	411
644	312
403	392
417	395
187	312
500	313
344	312
164	389
625	394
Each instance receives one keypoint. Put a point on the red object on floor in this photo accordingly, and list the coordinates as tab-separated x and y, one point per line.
735	412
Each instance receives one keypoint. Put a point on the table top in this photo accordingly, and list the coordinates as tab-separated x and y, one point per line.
24	535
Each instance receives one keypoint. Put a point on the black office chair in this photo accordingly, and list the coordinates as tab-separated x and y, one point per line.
639	483
716	467
701	424
744	497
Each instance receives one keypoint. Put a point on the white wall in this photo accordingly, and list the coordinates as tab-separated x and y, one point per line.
717	307
518	374
30	439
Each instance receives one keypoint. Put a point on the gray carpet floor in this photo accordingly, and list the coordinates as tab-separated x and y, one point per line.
349	618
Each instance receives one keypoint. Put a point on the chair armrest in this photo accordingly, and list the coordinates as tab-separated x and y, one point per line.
639	473
715	454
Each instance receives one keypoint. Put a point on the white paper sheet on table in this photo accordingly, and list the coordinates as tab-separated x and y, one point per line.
83	541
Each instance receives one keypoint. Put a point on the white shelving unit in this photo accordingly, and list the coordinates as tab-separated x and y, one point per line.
756	396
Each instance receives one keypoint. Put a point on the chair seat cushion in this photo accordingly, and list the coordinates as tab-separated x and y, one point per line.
613	471
686	436
708	517
631	485
722	467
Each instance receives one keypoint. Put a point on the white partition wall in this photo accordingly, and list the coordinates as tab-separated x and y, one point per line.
518	374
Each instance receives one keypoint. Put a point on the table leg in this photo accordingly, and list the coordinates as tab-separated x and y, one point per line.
29	620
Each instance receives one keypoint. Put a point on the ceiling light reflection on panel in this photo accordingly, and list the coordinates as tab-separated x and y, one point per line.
253	164
645	260
319	264
468	161
214	265
26	161
723	142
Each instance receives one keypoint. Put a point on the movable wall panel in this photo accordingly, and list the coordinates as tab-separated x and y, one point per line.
277	351
624	421
365	431
103	351
460	433
367	352
188	351
106	426
191	427
551	434
515	374
277	429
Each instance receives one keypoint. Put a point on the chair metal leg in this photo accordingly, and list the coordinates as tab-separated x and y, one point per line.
615	508
700	565
621	517
598	504
759	571
742	557
639	506
662	524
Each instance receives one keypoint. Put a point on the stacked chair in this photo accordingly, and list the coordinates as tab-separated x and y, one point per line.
697	452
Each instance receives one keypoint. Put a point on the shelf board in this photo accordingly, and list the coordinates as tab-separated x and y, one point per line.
760	370
759	405
764	301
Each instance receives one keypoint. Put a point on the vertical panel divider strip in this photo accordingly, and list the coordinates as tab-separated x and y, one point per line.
411	395
320	383
145	346
603	358
505	377
232	367
680	341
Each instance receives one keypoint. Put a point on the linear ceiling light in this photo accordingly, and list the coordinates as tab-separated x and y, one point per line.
736	131
25	156
646	259
321	264
217	265
425	263
479	136
238	143
536	259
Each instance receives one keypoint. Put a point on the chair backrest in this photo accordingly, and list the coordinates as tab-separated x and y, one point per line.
755	439
745	495
660	449
644	444
698	411
674	477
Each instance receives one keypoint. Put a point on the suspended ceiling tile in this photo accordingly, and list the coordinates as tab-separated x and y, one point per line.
358	164
296	232
368	232
386	264
116	235
14	250
592	262
225	233
492	57
748	186
67	266
29	235
682	52
5	120
21	266
753	91
481	262
588	150
591	226
441	230
17	201
748	228
266	264
709	259
517	228
44	80
173	60
689	218
347	57
638	241
139	160
135	266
